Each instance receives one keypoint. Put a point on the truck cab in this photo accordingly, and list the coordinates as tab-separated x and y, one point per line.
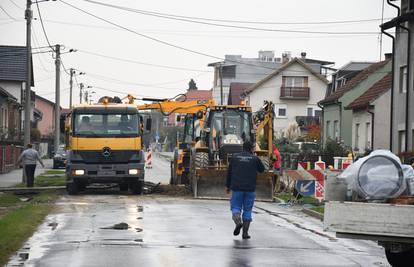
105	146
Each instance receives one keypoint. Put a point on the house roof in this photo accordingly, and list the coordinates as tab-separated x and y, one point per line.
356	65
372	93
235	92
354	82
199	95
45	100
13	63
282	68
5	93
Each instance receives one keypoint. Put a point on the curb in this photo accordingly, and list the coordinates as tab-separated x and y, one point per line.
313	213
30	189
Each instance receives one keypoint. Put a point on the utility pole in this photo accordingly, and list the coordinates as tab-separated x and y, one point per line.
86	96
80	92
57	100
27	104
72	72
221	83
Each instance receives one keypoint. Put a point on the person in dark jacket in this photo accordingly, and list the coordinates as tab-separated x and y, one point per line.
241	180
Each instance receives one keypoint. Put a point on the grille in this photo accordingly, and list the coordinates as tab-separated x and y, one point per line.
115	157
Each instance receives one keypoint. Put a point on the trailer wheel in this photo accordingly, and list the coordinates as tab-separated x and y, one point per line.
201	160
72	188
399	259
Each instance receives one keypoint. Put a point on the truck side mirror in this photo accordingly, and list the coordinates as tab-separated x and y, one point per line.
148	124
200	115
178	118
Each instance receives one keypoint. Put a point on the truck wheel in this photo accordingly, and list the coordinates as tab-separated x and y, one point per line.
72	188
399	259
123	187
136	187
201	160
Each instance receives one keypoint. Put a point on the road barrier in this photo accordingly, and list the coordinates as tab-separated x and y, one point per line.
148	162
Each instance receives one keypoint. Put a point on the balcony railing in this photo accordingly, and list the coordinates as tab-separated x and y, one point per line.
294	92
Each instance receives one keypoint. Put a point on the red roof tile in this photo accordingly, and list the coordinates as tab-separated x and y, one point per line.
372	93
199	95
354	82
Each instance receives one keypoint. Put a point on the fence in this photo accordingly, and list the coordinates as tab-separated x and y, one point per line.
9	154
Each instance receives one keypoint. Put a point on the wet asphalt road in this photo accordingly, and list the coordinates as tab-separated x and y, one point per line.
167	231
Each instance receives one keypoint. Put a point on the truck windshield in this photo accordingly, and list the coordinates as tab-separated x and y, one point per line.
106	125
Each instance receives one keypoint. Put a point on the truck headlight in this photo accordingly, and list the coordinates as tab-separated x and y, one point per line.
79	172
133	171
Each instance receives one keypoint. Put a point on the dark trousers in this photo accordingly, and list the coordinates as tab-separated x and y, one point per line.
30	171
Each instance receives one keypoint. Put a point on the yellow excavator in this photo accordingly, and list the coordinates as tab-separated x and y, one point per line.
223	133
194	112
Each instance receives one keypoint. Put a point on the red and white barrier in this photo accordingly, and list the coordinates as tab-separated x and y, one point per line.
148	162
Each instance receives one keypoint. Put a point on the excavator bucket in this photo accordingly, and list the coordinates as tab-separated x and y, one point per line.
211	183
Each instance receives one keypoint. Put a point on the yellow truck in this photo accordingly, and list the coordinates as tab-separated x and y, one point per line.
104	143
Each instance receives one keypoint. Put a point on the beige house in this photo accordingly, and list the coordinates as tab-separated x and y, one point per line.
295	89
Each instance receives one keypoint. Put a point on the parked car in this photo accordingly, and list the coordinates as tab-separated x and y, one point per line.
59	159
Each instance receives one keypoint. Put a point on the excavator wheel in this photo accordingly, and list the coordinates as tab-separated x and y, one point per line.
201	160
266	162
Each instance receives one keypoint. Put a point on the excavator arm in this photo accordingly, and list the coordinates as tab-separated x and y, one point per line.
263	120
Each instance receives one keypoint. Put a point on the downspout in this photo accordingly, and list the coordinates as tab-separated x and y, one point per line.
392	73
321	122
372	127
407	100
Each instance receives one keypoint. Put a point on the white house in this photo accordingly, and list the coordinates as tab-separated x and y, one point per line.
295	89
371	117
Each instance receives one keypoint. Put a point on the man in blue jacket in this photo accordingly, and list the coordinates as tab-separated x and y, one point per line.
241	180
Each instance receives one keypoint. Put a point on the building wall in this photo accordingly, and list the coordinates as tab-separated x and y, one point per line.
363	122
331	114
270	90
399	112
46	125
347	98
382	110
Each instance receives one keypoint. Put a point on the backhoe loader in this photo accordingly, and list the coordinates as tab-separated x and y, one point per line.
223	133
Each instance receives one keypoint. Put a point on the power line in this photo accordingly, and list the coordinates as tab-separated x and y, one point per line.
251	22
43	26
181	18
8	15
139	62
16	5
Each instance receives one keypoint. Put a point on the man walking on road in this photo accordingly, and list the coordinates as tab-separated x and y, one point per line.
241	180
29	157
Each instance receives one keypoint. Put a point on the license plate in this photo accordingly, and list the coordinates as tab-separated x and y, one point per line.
106	173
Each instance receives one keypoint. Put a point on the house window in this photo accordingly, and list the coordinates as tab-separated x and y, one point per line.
295	81
318	113
336	130
313	111
401	141
403	79
367	135
310	112
228	71
281	111
356	145
328	129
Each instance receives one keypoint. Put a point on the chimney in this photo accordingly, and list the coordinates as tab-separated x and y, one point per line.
303	55
388	56
286	57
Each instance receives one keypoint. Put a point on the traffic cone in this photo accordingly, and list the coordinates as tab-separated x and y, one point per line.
148	162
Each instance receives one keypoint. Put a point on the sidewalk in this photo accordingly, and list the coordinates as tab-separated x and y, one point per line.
15	177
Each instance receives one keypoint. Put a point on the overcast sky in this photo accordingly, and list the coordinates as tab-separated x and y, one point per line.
74	29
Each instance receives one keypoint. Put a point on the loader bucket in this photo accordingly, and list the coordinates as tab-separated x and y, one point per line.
211	183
